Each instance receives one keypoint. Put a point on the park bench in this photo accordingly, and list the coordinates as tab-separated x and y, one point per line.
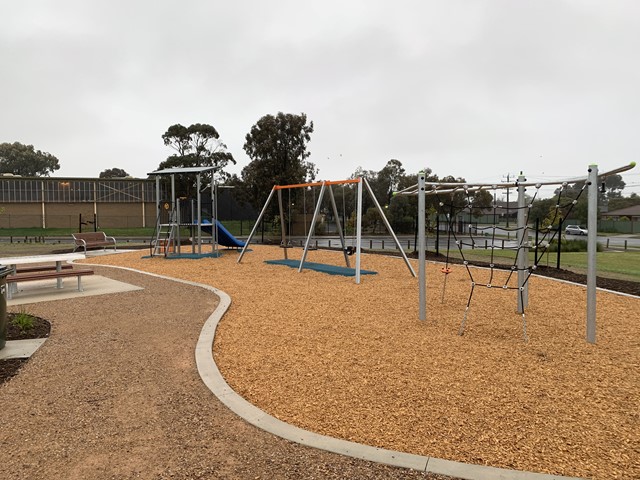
42	268
46	274
93	239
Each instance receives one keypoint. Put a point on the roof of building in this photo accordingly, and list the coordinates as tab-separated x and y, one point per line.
170	171
632	211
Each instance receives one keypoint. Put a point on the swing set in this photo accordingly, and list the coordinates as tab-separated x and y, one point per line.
326	186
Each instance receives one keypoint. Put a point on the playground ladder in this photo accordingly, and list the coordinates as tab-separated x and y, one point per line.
165	239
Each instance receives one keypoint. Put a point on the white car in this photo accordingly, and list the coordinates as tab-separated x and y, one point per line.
575	230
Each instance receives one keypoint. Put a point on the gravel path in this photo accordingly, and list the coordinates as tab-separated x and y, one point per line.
115	394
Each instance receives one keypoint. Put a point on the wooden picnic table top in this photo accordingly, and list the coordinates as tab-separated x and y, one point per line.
51	258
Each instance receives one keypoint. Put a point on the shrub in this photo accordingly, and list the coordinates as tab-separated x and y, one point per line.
572	246
23	321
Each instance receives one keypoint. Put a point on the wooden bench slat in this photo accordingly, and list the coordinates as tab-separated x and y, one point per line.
45	275
42	268
25	277
93	239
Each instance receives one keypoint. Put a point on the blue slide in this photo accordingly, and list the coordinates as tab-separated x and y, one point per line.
224	237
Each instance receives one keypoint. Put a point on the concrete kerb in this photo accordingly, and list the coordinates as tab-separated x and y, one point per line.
213	379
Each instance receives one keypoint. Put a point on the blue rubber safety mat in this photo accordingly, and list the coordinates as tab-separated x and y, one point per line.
193	255
321	267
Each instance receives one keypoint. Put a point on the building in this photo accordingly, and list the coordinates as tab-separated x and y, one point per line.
629	213
49	202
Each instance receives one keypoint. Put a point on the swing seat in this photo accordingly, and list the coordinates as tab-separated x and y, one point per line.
350	250
445	270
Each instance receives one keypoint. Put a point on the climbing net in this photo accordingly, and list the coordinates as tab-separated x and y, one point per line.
460	199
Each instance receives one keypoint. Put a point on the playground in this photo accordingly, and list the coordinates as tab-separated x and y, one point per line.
354	362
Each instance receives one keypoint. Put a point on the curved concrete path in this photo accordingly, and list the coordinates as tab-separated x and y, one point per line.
214	380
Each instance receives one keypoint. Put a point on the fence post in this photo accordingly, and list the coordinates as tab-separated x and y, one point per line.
438	234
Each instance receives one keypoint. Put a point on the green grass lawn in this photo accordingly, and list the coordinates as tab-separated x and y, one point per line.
236	227
66	232
624	265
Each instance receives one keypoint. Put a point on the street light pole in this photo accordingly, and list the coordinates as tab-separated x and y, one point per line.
508	178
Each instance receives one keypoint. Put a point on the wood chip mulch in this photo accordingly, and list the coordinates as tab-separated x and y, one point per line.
354	362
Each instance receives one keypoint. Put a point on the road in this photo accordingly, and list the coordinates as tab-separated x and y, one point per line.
408	241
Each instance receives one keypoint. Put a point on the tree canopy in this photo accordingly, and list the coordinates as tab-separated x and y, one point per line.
614	185
24	160
197	145
277	147
113	173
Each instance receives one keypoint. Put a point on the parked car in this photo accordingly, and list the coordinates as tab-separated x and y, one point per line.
575	230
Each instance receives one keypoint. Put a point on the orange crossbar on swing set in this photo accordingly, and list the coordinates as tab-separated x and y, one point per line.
316	184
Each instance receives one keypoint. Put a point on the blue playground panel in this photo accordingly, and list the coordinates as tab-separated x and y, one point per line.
321	267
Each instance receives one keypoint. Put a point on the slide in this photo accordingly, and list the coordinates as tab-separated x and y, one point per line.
224	237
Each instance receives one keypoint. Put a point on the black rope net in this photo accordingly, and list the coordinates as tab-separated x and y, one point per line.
544	238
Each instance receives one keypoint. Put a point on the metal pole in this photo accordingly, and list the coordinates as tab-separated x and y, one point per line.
173	194
255	227
173	214
340	232
177	224
422	275
214	216
283	230
559	243
359	231
523	251
312	227
158	197
507	206
199	215
388	226
592	246
535	251
438	234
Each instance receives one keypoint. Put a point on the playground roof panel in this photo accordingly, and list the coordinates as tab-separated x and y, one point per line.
171	171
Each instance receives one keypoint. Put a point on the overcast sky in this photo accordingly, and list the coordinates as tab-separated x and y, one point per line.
477	89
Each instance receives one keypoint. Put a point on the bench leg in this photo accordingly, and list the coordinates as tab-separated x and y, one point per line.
58	280
80	289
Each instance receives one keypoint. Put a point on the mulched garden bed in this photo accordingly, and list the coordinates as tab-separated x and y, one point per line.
40	329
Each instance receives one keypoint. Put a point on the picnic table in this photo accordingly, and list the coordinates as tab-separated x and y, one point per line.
42	267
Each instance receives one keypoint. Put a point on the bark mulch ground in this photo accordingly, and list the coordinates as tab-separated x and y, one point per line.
343	360
353	361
